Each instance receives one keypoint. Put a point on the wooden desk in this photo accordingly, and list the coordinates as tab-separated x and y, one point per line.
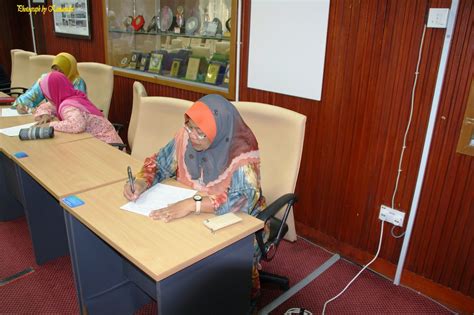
52	172
119	255
12	202
10	145
72	167
10	206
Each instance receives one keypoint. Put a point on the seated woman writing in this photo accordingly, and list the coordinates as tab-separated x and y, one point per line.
64	63
69	110
216	154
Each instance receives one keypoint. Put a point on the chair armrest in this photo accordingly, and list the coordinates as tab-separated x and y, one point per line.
268	249
118	127
272	209
14	90
119	146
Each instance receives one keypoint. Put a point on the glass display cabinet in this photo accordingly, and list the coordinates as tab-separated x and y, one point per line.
188	44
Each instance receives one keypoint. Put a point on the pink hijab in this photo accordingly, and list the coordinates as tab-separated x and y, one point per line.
61	93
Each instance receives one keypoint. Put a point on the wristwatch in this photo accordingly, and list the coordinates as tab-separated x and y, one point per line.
198	199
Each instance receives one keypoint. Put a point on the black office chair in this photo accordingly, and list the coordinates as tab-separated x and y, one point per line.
278	229
5	85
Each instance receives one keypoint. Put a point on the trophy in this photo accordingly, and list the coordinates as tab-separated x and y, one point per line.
180	19
205	21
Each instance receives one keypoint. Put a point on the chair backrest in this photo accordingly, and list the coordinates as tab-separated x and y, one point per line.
159	118
40	64
138	92
99	79
280	135
12	54
20	76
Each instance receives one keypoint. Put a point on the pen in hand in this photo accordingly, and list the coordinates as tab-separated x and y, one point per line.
131	179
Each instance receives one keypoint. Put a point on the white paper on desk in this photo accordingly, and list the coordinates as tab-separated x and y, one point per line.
158	197
11	112
15	130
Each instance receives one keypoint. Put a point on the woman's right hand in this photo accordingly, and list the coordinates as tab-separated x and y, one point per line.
140	187
22	109
44	119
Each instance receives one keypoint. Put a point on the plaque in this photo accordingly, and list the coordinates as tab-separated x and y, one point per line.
138	23
212	73
144	62
127	22
227	74
218	27
175	67
124	62
134	60
153	26
193	68
211	29
155	63
192	24
166	18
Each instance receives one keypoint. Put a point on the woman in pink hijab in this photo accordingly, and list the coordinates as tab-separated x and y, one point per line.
69	110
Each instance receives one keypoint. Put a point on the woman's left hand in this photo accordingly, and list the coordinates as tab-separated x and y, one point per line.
174	211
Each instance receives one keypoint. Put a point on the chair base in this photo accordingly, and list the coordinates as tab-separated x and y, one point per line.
282	282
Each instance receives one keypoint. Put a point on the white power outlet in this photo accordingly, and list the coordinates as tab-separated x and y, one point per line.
438	18
391	215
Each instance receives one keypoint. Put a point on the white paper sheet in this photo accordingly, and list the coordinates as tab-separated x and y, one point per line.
10	112
158	197
15	130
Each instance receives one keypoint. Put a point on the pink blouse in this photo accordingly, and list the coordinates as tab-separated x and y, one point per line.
77	121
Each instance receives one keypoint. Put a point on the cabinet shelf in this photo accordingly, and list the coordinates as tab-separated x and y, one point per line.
184	35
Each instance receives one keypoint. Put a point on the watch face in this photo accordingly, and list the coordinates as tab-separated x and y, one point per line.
197	198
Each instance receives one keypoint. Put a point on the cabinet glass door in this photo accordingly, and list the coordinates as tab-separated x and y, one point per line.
188	44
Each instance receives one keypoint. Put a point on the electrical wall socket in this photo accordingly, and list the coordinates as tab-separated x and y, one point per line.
391	215
438	18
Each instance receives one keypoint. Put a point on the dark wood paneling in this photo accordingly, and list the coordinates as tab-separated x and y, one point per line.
354	137
355	133
442	243
15	31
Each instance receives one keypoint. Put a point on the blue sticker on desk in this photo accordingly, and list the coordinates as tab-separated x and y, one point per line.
20	154
73	201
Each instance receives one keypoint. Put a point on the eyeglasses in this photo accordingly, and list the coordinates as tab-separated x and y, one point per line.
197	132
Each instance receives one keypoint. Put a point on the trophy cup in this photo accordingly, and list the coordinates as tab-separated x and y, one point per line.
179	19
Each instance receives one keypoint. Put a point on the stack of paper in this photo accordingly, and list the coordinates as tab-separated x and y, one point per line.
158	197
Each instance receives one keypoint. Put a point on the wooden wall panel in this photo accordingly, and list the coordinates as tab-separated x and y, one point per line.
354	137
16	31
442	244
82	49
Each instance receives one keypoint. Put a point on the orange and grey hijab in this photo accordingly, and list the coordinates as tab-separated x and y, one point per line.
233	144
